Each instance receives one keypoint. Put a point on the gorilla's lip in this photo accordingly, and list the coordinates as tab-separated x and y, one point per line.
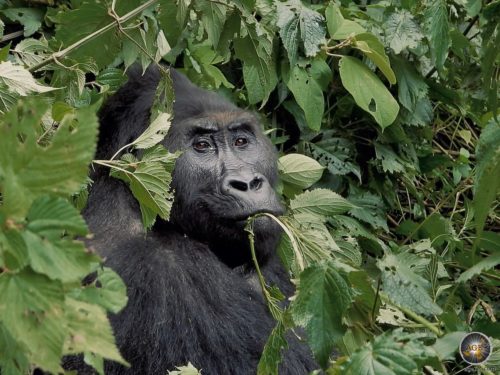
243	217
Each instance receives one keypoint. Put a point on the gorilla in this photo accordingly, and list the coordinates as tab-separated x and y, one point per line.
192	288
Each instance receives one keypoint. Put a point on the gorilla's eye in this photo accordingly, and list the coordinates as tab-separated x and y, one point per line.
201	145
240	142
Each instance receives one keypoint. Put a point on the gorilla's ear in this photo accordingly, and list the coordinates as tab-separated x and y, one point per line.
192	101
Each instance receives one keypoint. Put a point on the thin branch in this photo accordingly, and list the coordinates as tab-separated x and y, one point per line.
95	34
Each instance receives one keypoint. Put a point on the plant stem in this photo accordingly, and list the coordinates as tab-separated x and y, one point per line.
431	326
95	34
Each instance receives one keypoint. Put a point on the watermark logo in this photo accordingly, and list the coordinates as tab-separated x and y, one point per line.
475	348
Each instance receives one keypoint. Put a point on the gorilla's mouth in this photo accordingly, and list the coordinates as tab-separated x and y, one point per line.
242	217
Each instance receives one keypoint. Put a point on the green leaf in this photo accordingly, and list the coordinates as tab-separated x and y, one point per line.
30	18
13	359
484	265
411	85
322	299
271	355
213	17
368	91
437	29
446	347
338	26
404	287
487	182
76	24
308	94
31	312
392	353
294	15
402	32
110	294
29	52
49	252
189	369
149	180
321	202
299	170
112	77
370	208
19	80
374	50
336	154
154	133
29	170
89	331
255	49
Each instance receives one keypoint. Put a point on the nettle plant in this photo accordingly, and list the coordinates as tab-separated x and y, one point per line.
385	113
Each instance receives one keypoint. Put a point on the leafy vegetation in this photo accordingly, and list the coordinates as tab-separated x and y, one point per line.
385	114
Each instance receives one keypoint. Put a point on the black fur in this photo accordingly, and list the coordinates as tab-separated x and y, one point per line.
193	293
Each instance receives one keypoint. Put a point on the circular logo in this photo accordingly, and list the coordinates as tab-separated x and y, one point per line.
475	348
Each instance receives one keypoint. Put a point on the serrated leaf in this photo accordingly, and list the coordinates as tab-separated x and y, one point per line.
189	369
32	316
19	80
29	52
90	331
271	355
437	31
322	299
374	50
110	294
299	170
213	17
370	209
411	86
338	27
297	23
368	91
484	265
487	181
76	24
154	133
255	49
13	359
404	287
112	77
320	201
336	154
49	253
402	31
149	180
392	353
28	169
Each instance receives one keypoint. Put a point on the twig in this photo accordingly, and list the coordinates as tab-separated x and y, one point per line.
95	34
10	36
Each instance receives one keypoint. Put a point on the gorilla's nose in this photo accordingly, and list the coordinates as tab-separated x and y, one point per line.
244	183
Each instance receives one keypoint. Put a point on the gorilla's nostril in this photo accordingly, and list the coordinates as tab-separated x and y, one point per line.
256	183
238	185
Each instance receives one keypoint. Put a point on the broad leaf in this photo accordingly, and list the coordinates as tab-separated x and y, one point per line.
392	353
338	26
299	170
321	202
374	50
213	17
322	299
19	80
28	169
484	265
404	287
368	91
32	316
402	32
271	355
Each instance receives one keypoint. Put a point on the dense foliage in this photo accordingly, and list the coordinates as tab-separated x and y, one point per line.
385	115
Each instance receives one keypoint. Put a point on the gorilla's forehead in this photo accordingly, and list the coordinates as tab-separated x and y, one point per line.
222	121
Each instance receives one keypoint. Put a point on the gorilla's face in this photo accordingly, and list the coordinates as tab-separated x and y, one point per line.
226	173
